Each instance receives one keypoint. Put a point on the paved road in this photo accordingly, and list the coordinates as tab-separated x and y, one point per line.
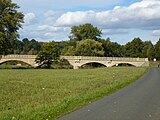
138	101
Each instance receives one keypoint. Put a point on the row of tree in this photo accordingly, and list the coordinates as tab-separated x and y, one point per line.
26	46
105	48
84	40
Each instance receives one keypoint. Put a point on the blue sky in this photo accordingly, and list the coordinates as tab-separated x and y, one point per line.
121	20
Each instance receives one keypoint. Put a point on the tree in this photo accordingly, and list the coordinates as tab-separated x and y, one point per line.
157	50
89	47
134	48
68	51
10	22
48	55
85	31
112	49
31	47
18	47
148	50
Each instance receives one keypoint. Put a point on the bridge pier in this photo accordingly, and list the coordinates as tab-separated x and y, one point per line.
75	67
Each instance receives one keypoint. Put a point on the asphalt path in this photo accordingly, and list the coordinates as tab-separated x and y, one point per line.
138	101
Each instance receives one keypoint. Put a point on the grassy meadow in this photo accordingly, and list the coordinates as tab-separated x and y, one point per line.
40	94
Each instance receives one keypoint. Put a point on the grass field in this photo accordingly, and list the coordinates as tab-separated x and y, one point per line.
48	94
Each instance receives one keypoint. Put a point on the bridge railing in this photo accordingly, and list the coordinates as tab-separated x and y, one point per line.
78	58
18	57
103	58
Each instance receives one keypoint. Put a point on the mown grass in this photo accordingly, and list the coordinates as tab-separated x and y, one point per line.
48	94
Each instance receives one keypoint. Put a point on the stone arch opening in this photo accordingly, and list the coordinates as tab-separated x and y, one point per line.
92	65
15	64
123	64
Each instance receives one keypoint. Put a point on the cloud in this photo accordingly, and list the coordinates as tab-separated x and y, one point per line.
115	31
156	33
51	32
140	15
29	18
50	28
53	14
47	21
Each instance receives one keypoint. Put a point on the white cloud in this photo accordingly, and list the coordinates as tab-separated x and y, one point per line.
29	18
50	28
49	35
141	15
53	14
53	23
115	31
156	33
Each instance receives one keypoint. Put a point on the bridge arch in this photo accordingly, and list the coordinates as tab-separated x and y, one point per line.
96	62
24	61
129	63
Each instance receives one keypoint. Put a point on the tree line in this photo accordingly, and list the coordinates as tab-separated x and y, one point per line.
91	47
84	40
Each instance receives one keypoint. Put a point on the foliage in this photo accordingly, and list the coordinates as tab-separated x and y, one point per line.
85	31
48	54
149	50
68	51
27	47
48	94
62	64
112	49
86	47
157	50
10	22
134	48
89	47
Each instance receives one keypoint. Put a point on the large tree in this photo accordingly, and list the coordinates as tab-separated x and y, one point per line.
10	22
112	49
148	50
89	47
48	55
85	31
157	50
134	48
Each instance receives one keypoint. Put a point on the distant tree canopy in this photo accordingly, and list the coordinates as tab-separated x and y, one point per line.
157	50
85	31
112	49
134	48
26	46
148	50
86	47
10	22
89	47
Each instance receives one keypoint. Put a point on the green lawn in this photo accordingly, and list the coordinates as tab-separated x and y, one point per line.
47	94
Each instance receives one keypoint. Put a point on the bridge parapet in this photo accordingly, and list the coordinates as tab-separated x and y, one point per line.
18	56
103	58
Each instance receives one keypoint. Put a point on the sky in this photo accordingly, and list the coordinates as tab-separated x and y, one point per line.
120	20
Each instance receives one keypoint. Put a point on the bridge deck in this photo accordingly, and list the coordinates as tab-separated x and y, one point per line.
18	56
103	58
78	58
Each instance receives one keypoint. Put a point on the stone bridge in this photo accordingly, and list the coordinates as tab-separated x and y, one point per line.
78	61
29	59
